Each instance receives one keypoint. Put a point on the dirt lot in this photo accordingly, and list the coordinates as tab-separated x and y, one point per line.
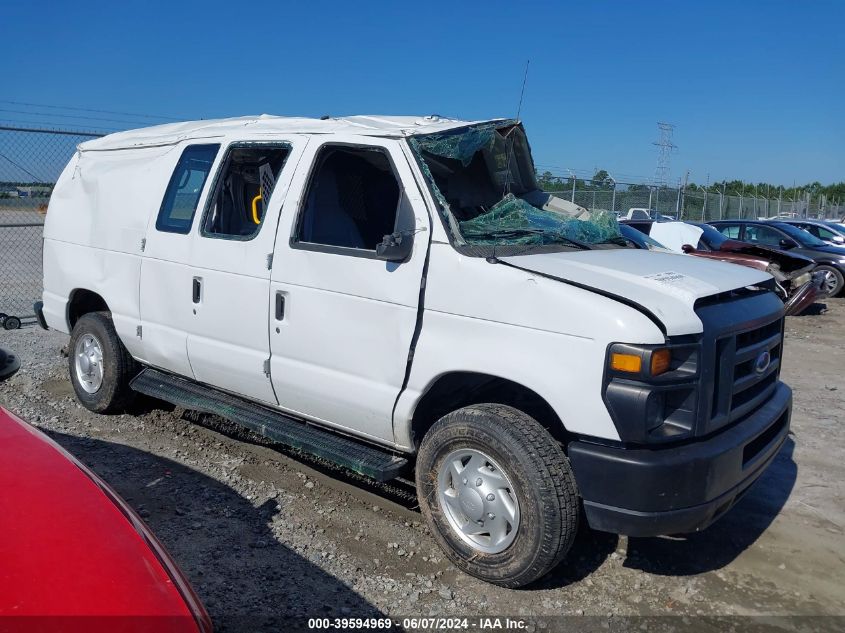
264	537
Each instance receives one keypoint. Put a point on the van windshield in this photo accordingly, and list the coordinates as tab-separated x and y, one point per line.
483	176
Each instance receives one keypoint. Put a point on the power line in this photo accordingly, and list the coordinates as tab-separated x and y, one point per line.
55	107
23	169
70	116
81	132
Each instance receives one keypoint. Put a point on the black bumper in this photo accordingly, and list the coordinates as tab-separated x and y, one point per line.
38	306
678	489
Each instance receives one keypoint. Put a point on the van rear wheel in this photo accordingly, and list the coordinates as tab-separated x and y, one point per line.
498	494
100	366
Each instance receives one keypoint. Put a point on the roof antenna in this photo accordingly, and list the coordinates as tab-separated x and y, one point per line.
510	146
522	92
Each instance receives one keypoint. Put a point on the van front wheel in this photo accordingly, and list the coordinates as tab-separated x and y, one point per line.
100	366
498	493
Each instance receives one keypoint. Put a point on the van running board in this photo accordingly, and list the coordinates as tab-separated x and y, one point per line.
363	459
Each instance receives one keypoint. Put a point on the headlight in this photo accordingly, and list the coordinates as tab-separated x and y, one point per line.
646	361
651	390
657	361
800	280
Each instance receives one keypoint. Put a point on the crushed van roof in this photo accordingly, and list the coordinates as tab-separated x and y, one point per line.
365	125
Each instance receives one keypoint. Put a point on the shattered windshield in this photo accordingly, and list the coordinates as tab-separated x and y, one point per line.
483	177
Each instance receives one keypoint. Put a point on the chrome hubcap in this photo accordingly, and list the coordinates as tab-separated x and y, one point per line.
829	283
478	500
88	361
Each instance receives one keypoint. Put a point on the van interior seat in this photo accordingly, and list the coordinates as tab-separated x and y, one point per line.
353	200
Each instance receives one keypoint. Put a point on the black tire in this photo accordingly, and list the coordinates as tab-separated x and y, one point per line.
836	274
114	394
12	323
543	485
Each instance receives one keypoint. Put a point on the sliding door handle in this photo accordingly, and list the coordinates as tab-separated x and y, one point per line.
280	305
197	289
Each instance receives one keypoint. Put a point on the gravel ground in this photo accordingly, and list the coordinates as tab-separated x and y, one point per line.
264	536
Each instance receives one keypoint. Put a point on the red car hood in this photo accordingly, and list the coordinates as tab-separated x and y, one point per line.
788	262
69	546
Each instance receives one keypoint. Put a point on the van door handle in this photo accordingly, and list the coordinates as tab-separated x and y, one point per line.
197	289
280	306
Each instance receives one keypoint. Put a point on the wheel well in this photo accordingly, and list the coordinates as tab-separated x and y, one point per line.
82	302
460	389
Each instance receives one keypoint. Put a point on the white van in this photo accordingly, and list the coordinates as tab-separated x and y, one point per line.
396	295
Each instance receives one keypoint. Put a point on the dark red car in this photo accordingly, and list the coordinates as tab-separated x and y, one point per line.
73	555
796	283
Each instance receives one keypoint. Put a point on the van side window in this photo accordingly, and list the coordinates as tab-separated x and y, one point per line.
352	199
242	190
184	189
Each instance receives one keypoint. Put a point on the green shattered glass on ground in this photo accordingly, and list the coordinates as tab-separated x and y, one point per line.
511	220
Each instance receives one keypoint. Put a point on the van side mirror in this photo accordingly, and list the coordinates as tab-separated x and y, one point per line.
395	247
787	244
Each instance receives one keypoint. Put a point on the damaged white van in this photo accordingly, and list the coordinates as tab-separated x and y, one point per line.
395	294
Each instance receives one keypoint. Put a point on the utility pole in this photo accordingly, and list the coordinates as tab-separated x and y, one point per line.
679	207
613	201
571	173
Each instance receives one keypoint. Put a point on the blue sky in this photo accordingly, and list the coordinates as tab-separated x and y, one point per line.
756	89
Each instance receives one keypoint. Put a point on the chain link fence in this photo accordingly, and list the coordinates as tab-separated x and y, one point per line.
30	162
695	203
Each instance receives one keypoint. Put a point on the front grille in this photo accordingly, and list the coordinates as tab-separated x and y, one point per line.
743	380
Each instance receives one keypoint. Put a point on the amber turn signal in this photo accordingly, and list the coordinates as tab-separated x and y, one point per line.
661	359
630	363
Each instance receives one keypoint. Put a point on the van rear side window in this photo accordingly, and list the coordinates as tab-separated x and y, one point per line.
242	190
185	188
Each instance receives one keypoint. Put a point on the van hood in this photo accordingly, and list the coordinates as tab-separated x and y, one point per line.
665	284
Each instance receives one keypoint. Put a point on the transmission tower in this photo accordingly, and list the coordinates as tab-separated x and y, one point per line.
665	147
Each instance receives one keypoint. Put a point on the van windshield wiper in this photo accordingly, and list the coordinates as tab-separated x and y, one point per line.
545	233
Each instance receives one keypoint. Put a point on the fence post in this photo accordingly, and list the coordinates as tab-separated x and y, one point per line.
613	201
704	207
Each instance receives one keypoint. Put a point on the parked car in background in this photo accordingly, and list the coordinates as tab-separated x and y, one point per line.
639	213
644	213
830	232
637	239
670	233
72	550
829	259
797	285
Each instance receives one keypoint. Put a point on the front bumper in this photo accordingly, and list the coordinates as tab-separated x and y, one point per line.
804	296
683	488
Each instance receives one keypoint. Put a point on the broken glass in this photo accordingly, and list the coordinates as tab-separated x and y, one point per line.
483	177
515	221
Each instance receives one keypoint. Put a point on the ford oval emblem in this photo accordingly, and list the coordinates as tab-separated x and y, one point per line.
762	363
